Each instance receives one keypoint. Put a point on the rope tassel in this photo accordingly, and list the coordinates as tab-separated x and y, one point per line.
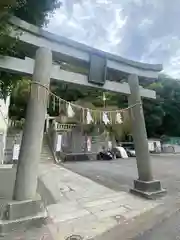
105	118
119	118
89	118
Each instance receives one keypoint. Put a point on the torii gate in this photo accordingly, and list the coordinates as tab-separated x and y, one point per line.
49	46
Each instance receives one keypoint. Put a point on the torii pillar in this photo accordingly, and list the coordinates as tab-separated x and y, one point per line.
145	185
27	170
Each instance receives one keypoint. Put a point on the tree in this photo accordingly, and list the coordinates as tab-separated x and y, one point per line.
36	11
162	115
153	110
171	106
153	113
8	82
7	5
19	99
7	45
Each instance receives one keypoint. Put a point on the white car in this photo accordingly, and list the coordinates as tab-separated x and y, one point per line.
129	147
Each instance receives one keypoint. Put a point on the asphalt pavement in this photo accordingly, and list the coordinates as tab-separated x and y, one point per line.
119	174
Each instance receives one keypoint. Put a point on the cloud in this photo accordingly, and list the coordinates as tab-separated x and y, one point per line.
142	30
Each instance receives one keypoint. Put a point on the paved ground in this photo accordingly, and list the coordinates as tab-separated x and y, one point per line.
166	230
83	207
36	233
119	174
78	205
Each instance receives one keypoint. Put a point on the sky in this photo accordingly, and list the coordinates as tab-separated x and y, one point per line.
142	30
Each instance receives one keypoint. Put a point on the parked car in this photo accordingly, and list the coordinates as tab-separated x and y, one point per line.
116	152
119	152
129	147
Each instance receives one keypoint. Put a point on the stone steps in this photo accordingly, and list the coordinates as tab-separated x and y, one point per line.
8	226
19	215
46	155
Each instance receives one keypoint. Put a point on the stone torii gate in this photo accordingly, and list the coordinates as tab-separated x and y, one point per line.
49	48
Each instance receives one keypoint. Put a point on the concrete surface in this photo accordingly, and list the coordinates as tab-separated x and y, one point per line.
119	175
78	205
139	133
168	229
36	233
7	179
29	229
84	207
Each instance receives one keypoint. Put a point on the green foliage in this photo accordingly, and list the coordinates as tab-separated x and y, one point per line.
7	45
7	48
36	11
162	115
33	11
19	99
6	5
8	82
153	113
171	107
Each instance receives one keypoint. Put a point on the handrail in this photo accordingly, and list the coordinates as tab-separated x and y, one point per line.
64	127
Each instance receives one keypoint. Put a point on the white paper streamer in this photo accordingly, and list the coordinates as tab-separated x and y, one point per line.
119	118
105	118
70	111
89	118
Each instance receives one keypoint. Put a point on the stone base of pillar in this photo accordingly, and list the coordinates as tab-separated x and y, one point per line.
149	190
22	215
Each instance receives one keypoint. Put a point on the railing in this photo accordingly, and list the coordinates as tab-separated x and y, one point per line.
168	149
52	134
16	123
65	127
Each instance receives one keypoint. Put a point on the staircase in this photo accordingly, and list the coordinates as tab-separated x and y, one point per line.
21	215
46	154
15	137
